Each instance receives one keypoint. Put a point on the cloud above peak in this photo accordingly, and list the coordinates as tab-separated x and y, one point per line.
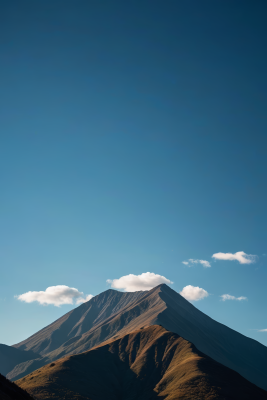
239	256
56	295
191	261
229	297
193	293
133	283
81	299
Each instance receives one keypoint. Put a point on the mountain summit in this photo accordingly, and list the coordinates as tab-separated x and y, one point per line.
112	315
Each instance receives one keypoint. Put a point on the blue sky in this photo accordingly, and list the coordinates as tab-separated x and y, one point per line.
132	138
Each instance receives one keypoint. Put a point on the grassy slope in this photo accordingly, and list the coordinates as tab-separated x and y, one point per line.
146	364
106	315
112	314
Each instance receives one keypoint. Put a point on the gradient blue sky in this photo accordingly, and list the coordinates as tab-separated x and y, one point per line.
132	138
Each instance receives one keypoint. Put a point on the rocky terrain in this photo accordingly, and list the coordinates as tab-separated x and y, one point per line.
114	314
150	363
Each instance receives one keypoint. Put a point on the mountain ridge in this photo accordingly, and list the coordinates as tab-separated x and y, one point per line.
113	313
147	364
77	313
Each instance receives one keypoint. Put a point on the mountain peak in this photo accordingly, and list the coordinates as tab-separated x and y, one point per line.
113	314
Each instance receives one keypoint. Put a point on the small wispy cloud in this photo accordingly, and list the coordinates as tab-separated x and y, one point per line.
193	293
56	295
239	256
133	283
262	330
229	297
81	300
192	261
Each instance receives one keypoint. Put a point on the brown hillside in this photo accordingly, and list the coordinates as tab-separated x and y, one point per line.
147	364
112	314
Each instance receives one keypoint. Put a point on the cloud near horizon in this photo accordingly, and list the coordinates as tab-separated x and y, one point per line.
133	283
229	297
205	263
239	256
56	295
193	293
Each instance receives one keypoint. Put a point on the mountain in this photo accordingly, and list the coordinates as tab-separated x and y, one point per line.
79	321
10	357
147	364
10	391
113	314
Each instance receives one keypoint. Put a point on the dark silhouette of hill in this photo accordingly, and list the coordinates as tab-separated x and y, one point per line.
151	363
10	391
113	314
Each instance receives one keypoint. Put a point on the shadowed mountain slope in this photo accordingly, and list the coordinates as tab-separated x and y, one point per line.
10	391
10	357
146	364
232	349
78	321
113	314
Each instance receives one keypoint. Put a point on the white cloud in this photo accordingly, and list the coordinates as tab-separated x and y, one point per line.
262	330
193	293
205	263
81	300
133	283
229	297
56	295
240	256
